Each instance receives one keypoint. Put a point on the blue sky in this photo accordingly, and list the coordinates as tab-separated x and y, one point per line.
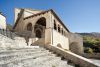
78	15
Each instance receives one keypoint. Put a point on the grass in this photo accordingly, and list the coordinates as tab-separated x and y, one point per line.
50	54
54	66
42	49
18	49
10	49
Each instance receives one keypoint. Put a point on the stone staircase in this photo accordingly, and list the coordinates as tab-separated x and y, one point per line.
39	42
31	57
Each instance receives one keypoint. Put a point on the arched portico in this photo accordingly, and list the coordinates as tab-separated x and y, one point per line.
40	27
75	48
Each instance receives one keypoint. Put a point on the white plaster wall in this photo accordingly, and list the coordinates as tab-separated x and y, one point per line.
26	14
2	22
33	11
58	38
16	11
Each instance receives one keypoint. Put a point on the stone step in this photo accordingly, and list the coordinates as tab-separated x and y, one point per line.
35	62
8	59
39	58
20	55
54	63
11	50
19	52
31	57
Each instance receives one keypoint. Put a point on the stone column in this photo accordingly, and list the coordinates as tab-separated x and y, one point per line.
43	29
33	33
5	32
2	31
8	33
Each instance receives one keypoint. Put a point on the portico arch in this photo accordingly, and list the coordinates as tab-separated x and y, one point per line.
75	48
40	27
41	21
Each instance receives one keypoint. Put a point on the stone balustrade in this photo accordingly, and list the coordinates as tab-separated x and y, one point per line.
6	32
76	59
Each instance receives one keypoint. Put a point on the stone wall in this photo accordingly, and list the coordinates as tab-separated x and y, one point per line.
58	38
87	55
76	39
76	59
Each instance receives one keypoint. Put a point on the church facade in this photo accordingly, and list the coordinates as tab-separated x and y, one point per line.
45	27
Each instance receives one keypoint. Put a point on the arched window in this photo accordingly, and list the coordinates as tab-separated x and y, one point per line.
58	28
55	25
29	27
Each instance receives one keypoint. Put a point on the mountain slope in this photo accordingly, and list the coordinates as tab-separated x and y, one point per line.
94	34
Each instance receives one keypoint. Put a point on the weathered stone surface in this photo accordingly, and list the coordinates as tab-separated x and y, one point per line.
31	57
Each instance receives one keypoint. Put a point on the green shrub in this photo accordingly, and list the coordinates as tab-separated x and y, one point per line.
88	50
31	44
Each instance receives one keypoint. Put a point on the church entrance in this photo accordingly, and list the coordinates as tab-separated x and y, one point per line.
39	28
38	33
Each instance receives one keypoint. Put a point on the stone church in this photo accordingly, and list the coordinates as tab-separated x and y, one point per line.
43	27
37	38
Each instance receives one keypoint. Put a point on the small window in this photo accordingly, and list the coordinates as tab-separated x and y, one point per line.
18	14
29	27
58	28
55	25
